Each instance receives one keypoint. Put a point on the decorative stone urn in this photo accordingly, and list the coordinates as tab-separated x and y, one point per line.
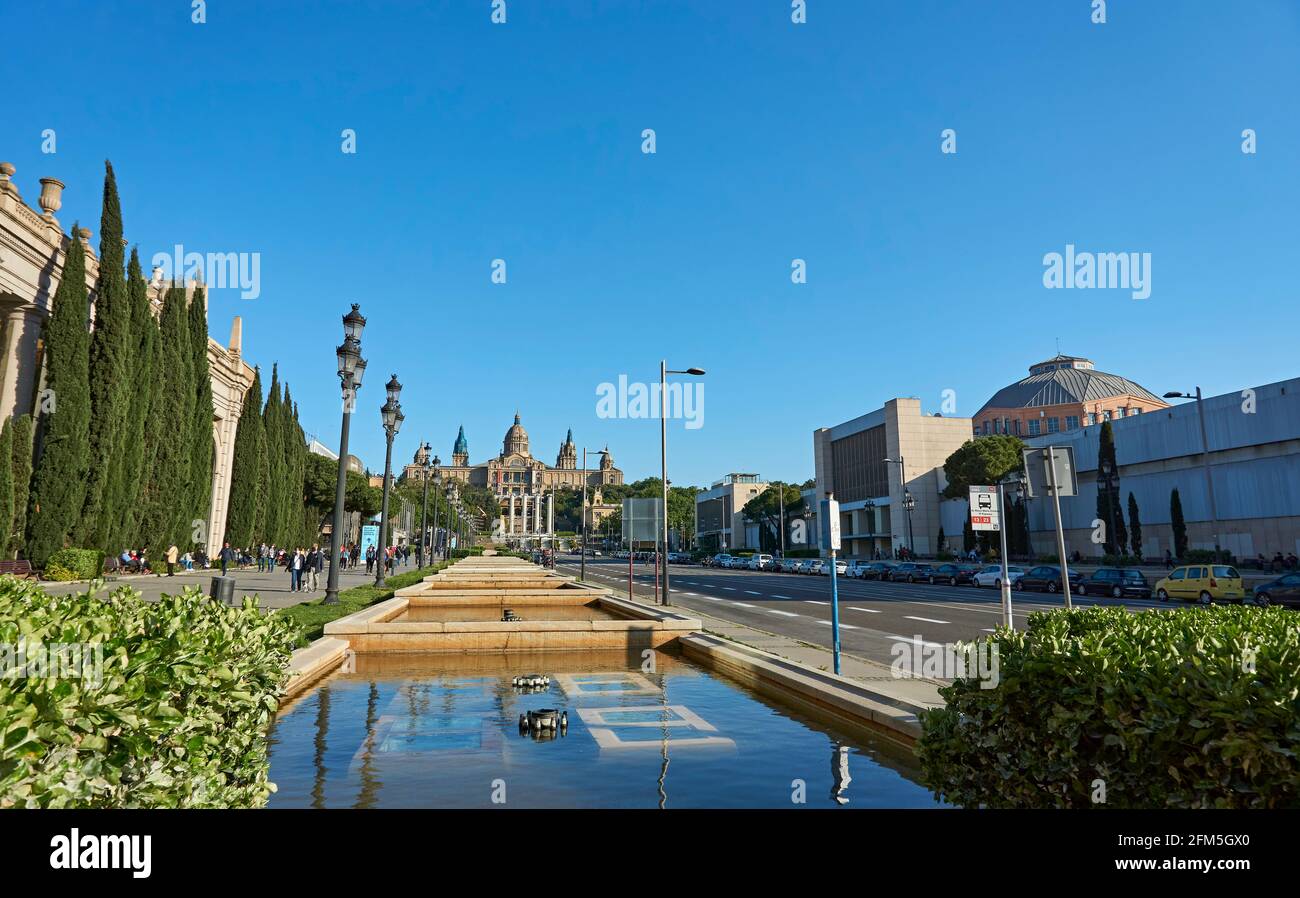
6	178
51	200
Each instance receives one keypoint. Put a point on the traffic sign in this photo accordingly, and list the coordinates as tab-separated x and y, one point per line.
1038	478
830	515
984	511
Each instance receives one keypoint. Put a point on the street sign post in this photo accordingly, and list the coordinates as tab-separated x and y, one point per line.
986	513
1050	471
830	512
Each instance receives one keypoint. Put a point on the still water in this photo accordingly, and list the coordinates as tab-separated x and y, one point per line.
442	731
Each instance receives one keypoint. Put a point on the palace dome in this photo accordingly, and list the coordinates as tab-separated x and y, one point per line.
516	441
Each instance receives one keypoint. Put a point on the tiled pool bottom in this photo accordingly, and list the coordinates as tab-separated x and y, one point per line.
442	731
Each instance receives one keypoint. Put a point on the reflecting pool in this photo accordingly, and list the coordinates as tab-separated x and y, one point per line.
445	731
446	613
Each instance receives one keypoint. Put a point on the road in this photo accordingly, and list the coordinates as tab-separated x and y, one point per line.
874	616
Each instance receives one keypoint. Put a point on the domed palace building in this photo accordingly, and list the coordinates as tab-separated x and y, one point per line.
522	483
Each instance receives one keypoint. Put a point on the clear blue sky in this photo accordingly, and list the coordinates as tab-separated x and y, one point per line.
775	141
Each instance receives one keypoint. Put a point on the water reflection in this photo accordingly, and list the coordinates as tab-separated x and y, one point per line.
435	731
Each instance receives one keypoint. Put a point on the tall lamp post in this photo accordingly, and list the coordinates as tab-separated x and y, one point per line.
1108	476
902	484
663	458
446	551
870	509
1205	462
424	511
909	503
352	367
391	412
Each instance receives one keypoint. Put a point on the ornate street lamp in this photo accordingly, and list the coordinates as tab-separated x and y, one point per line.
391	413
909	503
352	368
424	511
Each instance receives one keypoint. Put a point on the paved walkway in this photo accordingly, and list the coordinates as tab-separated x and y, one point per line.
272	589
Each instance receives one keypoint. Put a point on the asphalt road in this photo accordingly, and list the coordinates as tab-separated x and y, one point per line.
874	616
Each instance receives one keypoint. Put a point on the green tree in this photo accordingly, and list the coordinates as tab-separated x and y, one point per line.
202	452
275	493
1178	525
6	476
984	460
130	486
1134	526
59	477
248	471
765	509
22	482
1108	507
168	514
110	373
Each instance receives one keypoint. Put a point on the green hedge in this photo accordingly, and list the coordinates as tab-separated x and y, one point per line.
178	716
1186	709
74	564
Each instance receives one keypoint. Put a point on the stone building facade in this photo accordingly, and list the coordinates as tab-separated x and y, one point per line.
32	246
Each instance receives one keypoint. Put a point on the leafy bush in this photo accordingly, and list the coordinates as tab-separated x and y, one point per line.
1185	709
177	716
74	564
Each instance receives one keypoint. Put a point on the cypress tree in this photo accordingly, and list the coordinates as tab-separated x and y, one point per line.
6	476
248	471
130	485
203	450
1134	526
1178	525
22	482
144	518
110	373
168	514
1108	507
59	480
275	471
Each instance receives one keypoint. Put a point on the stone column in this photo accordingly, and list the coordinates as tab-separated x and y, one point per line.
22	331
511	531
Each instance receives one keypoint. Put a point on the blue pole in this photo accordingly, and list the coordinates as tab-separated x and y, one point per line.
835	612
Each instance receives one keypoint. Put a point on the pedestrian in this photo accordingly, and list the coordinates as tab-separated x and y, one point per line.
370	559
296	562
1169	560
316	564
172	553
355	555
227	556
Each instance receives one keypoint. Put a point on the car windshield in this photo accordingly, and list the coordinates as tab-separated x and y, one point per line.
1133	575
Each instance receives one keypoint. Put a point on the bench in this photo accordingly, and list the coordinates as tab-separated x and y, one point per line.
18	568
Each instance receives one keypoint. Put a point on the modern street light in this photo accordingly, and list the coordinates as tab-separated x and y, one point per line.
352	368
582	562
1205	462
663	457
870	508
391	412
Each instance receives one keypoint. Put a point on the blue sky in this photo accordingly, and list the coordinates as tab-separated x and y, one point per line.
774	142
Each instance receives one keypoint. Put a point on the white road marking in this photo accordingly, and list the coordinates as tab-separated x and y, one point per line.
859	608
729	588
779	597
741	605
782	613
814	602
753	592
928	620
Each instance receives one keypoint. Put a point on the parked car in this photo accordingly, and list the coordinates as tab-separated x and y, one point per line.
1282	591
814	566
841	567
991	575
1047	578
1115	582
759	562
722	559
1204	583
878	570
911	572
785	565
855	569
954	574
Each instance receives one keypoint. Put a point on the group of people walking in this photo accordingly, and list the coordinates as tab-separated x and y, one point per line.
304	566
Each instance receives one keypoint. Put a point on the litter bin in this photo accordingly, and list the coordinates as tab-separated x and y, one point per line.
223	589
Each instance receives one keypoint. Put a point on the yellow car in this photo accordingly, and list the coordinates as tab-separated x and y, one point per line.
1204	583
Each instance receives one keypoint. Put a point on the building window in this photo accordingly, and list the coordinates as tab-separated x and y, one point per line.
1017	426
1071	422
1053	425
1091	419
1107	414
1033	428
986	428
